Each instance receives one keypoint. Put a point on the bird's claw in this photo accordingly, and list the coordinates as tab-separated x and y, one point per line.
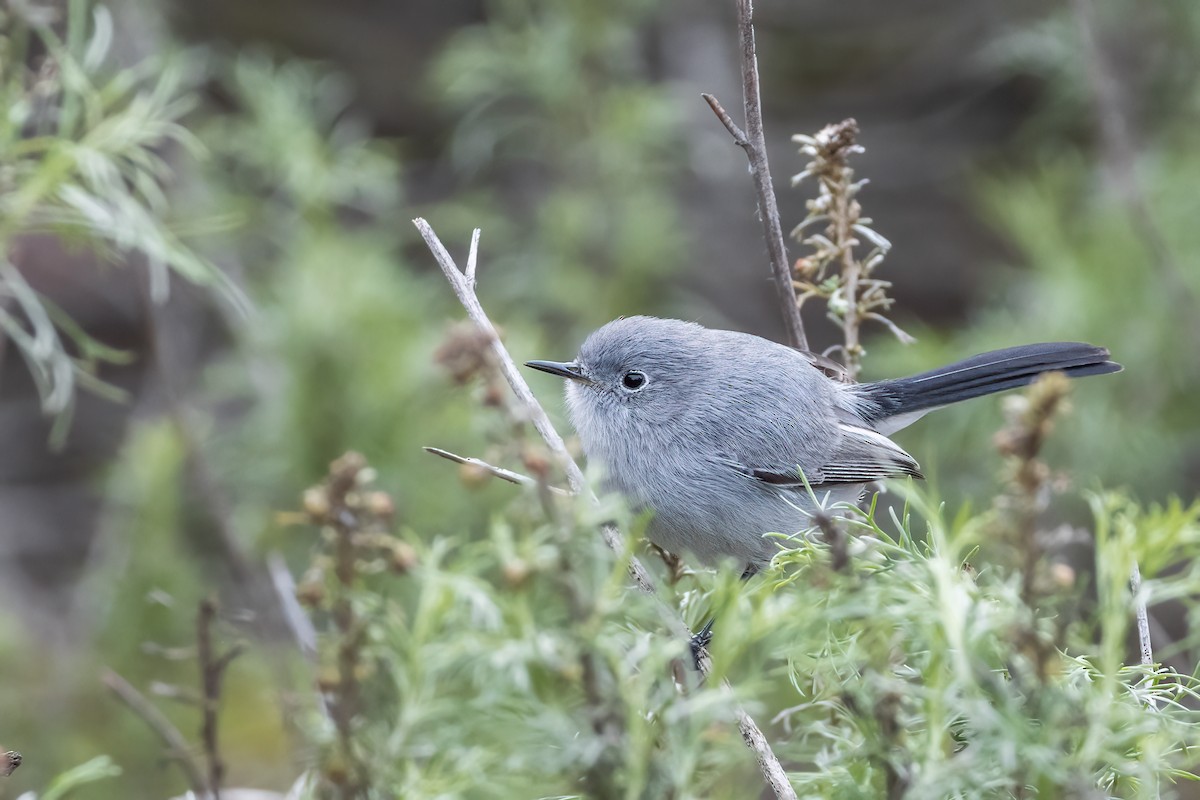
700	641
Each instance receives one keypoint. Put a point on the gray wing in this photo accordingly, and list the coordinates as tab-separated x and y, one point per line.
860	456
776	411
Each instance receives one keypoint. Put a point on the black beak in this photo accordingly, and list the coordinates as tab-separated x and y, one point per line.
563	369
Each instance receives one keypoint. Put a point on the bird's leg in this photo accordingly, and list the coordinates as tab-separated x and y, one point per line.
702	638
700	641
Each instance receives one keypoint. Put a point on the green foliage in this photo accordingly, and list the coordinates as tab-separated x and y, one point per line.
552	98
524	662
97	769
513	658
915	668
84	153
341	347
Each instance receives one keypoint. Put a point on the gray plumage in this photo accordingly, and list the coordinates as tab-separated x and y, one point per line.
711	429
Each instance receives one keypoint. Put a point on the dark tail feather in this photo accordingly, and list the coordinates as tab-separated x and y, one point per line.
982	374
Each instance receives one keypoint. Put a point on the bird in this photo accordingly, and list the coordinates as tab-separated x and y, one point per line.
727	436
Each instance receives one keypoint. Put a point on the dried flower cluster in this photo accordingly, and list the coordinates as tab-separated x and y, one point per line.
1029	419
356	541
833	271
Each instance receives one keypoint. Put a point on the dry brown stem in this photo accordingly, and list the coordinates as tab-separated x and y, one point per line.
836	538
212	670
177	746
355	523
754	141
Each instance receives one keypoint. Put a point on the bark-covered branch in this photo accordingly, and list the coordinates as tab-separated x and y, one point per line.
754	141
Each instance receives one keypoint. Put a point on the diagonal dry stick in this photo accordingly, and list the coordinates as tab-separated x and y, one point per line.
177	746
464	288
754	141
463	284
496	472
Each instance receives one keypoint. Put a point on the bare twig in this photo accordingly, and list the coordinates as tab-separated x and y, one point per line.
1143	625
1121	153
498	472
212	670
177	746
754	142
472	257
1143	619
835	537
739	135
772	771
297	621
768	763
465	291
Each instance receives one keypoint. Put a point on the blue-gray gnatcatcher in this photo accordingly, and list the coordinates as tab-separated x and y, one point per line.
712	430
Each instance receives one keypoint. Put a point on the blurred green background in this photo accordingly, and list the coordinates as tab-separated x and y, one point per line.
1036	184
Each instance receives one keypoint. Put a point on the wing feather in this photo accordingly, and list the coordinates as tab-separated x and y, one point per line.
860	456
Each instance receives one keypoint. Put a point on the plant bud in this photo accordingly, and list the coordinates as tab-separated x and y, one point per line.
316	503
473	476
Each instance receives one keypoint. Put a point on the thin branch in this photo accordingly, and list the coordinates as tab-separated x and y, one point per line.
297	621
497	472
739	135
214	502
768	763
473	257
1121	153
179	694
772	771
1143	623
900	334
212	670
1143	619
177	746
465	291
754	142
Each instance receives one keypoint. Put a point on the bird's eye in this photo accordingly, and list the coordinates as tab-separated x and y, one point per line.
633	380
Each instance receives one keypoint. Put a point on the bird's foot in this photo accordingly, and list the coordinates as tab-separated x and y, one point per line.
700	641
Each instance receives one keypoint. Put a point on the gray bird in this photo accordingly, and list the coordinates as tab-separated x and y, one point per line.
712	429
